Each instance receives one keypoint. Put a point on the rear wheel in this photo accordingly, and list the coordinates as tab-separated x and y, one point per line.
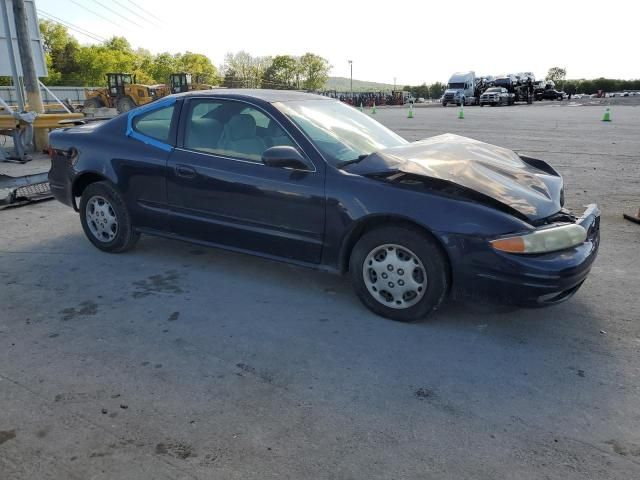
105	218
124	104
399	273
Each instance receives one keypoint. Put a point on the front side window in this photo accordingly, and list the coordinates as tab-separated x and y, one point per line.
155	124
339	131
231	129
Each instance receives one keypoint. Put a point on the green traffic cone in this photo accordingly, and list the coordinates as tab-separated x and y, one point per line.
410	115
373	109
461	112
607	115
361	107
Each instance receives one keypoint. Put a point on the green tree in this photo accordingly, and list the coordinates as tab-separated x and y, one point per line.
94	62
557	75
199	66
242	70
120	44
281	74
570	87
61	51
314	71
421	91
143	67
436	90
162	66
239	66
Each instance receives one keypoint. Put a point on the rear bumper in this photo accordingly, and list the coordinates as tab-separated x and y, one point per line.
526	280
61	182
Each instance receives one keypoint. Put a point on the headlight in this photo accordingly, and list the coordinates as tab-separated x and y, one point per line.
543	241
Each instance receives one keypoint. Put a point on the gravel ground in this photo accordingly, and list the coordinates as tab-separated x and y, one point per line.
176	361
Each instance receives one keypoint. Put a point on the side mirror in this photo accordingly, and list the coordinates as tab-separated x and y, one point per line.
285	156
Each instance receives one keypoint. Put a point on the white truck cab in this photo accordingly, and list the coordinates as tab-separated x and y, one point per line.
460	89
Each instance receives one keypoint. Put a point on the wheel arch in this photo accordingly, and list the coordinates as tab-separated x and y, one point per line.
371	222
81	182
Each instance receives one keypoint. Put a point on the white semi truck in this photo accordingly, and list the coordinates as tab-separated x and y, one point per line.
461	89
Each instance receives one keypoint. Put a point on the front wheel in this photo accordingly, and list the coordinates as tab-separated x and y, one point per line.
124	104
105	218
399	273
93	102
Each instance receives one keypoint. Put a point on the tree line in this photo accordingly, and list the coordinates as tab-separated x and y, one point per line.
73	64
308	72
70	63
435	90
558	75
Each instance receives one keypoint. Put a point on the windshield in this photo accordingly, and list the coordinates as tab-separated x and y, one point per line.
456	85
494	90
339	131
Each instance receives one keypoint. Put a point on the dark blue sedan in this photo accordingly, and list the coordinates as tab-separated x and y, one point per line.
311	181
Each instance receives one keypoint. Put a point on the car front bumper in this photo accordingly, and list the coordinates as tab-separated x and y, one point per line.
481	272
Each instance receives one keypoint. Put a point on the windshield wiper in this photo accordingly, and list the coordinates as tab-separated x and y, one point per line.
355	160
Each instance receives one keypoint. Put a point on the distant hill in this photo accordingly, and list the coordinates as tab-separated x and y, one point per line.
342	84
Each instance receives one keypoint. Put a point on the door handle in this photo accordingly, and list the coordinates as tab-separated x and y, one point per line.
185	171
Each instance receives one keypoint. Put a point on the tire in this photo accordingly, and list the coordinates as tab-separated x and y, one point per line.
93	102
426	285
482	104
124	104
102	206
444	104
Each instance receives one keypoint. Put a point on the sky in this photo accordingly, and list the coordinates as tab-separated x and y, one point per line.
411	41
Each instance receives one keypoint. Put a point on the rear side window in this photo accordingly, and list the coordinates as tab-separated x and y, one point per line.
155	124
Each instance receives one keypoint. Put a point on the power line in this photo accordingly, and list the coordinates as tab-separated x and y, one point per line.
145	11
118	14
68	24
146	19
71	26
95	13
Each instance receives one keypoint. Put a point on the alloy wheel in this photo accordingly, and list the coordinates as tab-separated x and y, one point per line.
394	276
101	219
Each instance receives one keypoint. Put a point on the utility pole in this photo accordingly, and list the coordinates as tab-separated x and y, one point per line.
351	67
30	77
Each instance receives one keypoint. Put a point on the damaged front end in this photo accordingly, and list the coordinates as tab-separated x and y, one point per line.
543	259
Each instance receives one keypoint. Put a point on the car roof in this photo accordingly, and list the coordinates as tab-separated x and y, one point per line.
270	96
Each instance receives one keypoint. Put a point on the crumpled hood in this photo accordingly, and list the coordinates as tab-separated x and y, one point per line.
529	186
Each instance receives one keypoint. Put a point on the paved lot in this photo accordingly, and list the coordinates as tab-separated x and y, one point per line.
176	361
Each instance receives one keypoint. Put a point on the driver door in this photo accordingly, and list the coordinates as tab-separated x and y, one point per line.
220	192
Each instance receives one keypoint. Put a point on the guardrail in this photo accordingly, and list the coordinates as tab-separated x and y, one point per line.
75	94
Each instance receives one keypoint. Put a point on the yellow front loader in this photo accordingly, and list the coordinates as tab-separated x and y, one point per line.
123	93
